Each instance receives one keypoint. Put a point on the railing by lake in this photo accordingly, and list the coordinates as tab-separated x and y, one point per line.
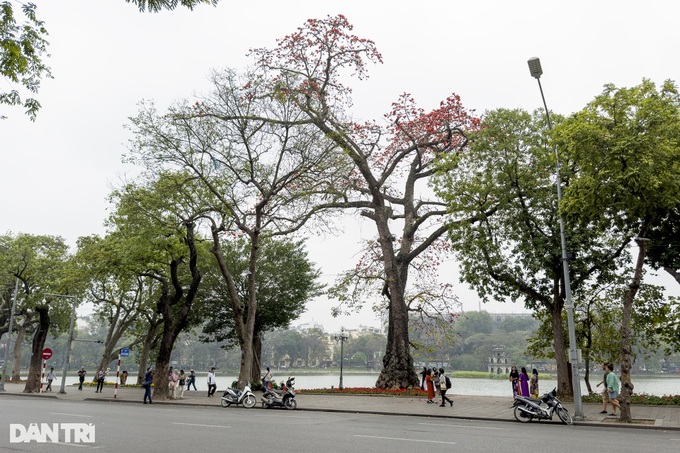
653	385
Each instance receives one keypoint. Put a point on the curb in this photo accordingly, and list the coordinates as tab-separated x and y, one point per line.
589	424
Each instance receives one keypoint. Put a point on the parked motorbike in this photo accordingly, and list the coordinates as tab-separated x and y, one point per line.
236	396
281	398
527	409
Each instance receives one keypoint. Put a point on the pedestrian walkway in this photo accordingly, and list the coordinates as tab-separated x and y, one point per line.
464	407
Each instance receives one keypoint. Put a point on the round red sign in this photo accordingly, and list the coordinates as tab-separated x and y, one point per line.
46	353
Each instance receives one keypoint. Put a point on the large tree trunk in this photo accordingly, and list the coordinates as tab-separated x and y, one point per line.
35	368
175	308
626	347
244	317
564	388
147	345
398	371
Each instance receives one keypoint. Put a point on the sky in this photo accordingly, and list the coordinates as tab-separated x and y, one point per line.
106	56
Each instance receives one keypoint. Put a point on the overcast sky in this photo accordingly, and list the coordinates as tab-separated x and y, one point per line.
106	57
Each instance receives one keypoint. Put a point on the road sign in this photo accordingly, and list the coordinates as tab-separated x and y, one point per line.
125	352
46	353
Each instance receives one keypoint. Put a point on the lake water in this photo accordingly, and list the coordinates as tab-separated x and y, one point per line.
654	385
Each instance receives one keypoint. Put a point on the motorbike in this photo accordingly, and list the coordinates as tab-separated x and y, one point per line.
281	398
236	396
527	409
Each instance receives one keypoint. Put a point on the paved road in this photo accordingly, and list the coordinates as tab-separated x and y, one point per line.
179	428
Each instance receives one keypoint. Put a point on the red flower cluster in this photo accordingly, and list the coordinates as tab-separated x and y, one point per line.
367	391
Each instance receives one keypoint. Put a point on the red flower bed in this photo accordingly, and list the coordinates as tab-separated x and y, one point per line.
367	391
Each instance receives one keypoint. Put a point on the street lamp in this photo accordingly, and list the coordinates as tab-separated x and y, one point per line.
536	72
341	337
9	334
67	358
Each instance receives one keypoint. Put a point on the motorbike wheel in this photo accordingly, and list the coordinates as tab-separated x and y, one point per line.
265	405
249	401
522	416
224	402
564	415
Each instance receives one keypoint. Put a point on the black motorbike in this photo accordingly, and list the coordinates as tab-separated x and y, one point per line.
527	409
280	398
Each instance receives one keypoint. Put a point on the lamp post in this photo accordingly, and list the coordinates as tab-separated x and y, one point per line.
9	334
536	72
341	337
67	358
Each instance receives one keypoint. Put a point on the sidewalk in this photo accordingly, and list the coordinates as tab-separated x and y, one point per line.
464	407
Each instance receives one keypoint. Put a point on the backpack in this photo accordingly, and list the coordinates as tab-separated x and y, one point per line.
448	382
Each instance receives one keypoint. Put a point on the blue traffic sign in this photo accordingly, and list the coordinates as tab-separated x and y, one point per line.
125	352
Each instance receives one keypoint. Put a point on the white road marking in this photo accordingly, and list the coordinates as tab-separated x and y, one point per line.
197	424
403	438
71	415
460	426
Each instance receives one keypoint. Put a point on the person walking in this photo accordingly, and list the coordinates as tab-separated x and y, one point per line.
435	381
146	385
101	375
524	382
182	380
123	377
533	384
191	380
605	391
267	380
174	381
50	377
423	374
81	377
514	380
212	382
444	385
613	385
430	387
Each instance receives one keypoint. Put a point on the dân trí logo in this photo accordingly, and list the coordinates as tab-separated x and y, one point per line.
77	433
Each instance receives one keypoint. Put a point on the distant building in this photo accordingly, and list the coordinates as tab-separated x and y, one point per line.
499	362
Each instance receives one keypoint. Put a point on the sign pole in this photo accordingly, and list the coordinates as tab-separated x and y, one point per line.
115	390
42	379
45	354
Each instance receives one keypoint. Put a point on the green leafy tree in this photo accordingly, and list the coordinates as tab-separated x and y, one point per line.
162	216
38	262
288	280
23	48
625	146
114	288
515	253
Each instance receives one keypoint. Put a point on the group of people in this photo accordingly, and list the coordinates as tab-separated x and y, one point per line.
435	381
178	382
100	376
523	384
612	386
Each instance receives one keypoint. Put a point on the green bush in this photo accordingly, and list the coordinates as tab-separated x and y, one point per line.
642	399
